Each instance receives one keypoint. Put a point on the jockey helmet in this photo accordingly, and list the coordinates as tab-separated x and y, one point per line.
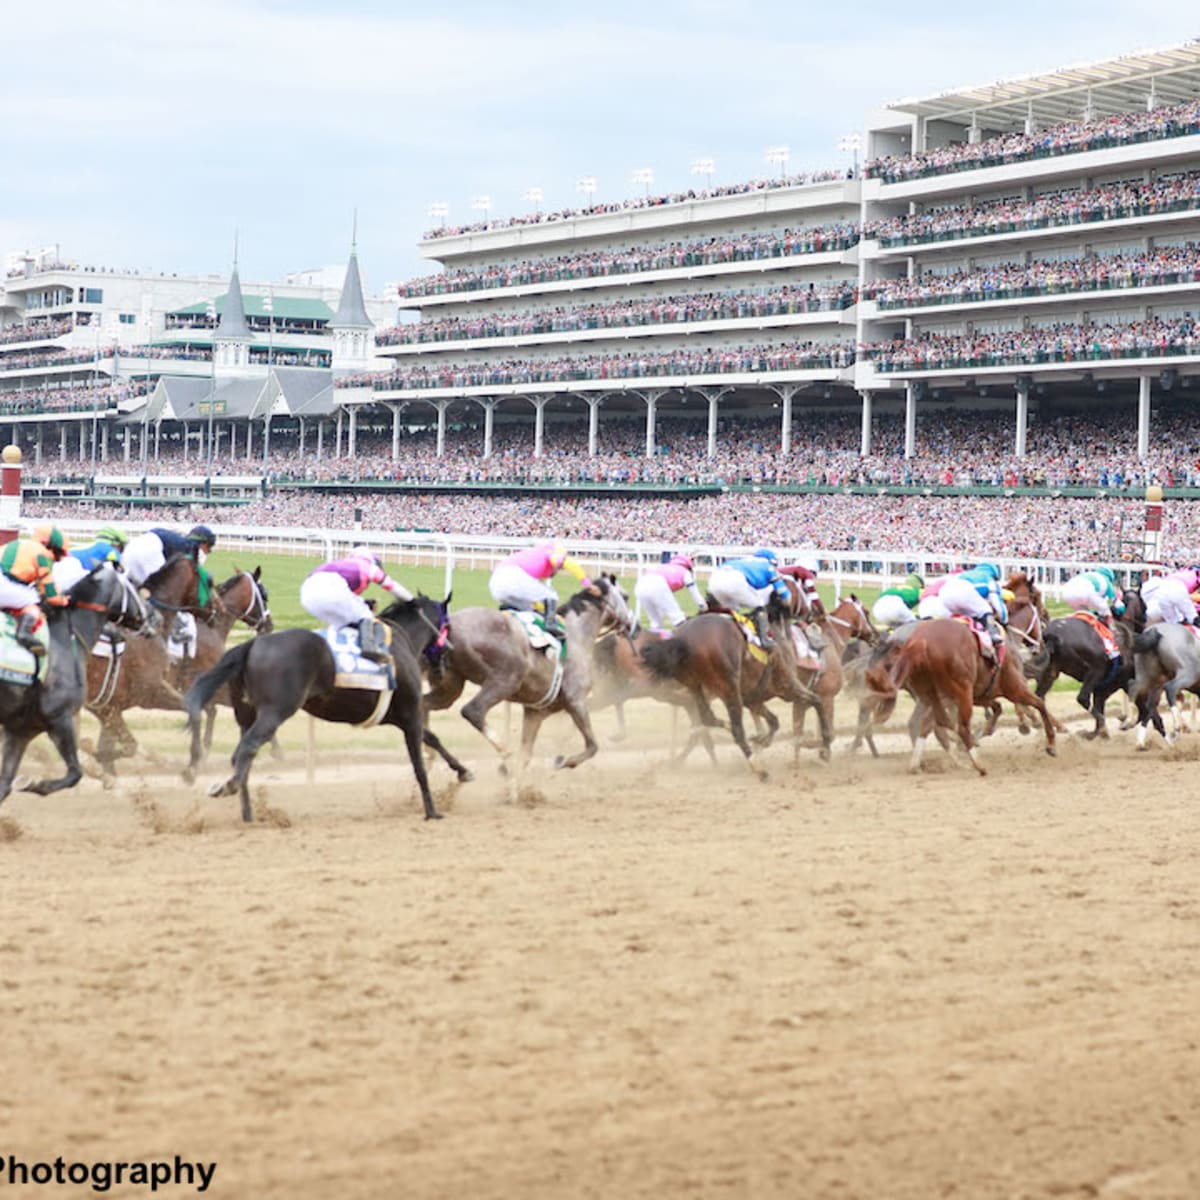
367	553
202	536
53	539
1108	573
991	569
915	580
683	560
769	555
113	535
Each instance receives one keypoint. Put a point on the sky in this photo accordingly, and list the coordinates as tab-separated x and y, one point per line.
146	133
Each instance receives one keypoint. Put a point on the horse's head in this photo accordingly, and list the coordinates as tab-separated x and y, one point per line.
850	619
105	590
605	594
245	596
176	582
424	621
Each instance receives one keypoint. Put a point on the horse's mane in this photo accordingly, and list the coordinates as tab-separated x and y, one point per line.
163	572
402	608
583	600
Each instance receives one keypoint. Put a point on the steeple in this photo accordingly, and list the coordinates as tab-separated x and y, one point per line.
231	341
352	329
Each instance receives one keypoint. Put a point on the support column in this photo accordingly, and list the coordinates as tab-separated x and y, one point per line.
539	422
442	406
593	403
488	406
864	445
62	442
338	446
1143	418
320	440
302	431
266	438
714	403
37	446
1022	417
104	442
145	442
651	399
232	439
157	439
186	432
910	420
249	440
785	419
82	441
352	435
395	432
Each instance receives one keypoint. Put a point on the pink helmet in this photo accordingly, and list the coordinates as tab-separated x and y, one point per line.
683	560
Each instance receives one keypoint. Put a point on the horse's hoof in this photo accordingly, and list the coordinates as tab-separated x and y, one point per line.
503	771
465	776
1052	751
763	776
433	816
823	754
1091	735
188	776
1024	730
219	789
558	762
617	737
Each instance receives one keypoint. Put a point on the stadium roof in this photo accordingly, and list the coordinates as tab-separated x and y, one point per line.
284	308
1114	85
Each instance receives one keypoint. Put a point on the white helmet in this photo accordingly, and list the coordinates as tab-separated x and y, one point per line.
367	553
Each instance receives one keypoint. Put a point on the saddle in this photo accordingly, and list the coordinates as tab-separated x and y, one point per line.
991	653
352	669
18	665
1107	637
534	628
757	650
808	657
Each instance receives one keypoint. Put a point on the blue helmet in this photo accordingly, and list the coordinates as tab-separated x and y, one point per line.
1108	573
991	569
769	555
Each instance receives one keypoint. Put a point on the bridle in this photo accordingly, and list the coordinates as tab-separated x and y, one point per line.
257	600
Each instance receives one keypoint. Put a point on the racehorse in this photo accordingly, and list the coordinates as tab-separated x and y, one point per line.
940	661
1167	662
1027	615
272	677
489	647
1072	647
50	705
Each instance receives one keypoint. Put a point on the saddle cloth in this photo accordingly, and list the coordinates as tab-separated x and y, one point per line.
1107	638
757	650
353	670
181	642
534	629
807	659
988	650
18	665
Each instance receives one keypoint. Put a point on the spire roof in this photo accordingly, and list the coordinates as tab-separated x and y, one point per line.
233	312
351	311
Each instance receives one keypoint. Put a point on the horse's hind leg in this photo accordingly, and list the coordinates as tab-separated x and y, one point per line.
62	734
763	714
14	750
476	710
432	740
583	722
250	743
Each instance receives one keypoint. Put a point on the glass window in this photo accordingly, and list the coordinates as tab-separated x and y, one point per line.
93	295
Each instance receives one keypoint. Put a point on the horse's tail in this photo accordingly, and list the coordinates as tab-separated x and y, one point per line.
233	662
667	659
1041	660
1144	643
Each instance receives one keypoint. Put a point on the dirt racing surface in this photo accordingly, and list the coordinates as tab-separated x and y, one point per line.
641	980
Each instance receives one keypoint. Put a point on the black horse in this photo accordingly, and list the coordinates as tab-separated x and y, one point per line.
274	675
1072	647
51	704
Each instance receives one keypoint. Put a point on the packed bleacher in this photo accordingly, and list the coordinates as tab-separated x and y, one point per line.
1155	337
1042	277
636	202
628	314
28	331
594	264
53	358
1072	137
1072	206
70	398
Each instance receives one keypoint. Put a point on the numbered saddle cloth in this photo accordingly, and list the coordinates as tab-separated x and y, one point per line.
181	642
757	650
352	669
1107	637
539	638
806	657
18	665
989	651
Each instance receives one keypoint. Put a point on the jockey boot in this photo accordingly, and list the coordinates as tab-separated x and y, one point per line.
996	633
25	634
551	619
816	639
371	641
763	629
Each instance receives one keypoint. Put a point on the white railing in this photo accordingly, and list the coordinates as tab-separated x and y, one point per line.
845	569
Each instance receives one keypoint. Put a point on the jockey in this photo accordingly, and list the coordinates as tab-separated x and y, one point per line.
896	605
1167	600
1095	592
148	553
929	605
107	547
806	579
522	582
976	594
747	584
1190	578
655	592
333	594
27	578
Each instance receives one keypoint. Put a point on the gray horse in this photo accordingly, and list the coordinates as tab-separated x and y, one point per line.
490	648
1166	662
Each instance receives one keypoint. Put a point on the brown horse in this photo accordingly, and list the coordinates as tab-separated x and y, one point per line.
940	663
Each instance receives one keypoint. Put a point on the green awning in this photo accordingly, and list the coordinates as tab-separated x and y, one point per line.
285	308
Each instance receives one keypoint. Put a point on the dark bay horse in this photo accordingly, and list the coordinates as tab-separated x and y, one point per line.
272	677
489	647
1073	648
51	706
940	665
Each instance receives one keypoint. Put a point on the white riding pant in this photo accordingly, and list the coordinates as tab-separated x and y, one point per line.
1168	601
931	608
68	571
515	588
891	612
143	556
14	594
653	594
327	596
962	600
1078	594
731	589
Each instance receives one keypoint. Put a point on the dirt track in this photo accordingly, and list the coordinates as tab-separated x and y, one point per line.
646	981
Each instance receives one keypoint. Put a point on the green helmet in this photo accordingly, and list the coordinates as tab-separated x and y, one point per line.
113	535
915	581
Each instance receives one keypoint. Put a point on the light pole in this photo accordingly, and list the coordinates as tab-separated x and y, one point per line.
852	143
587	187
439	210
778	157
482	204
643	176
212	393
706	167
535	196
